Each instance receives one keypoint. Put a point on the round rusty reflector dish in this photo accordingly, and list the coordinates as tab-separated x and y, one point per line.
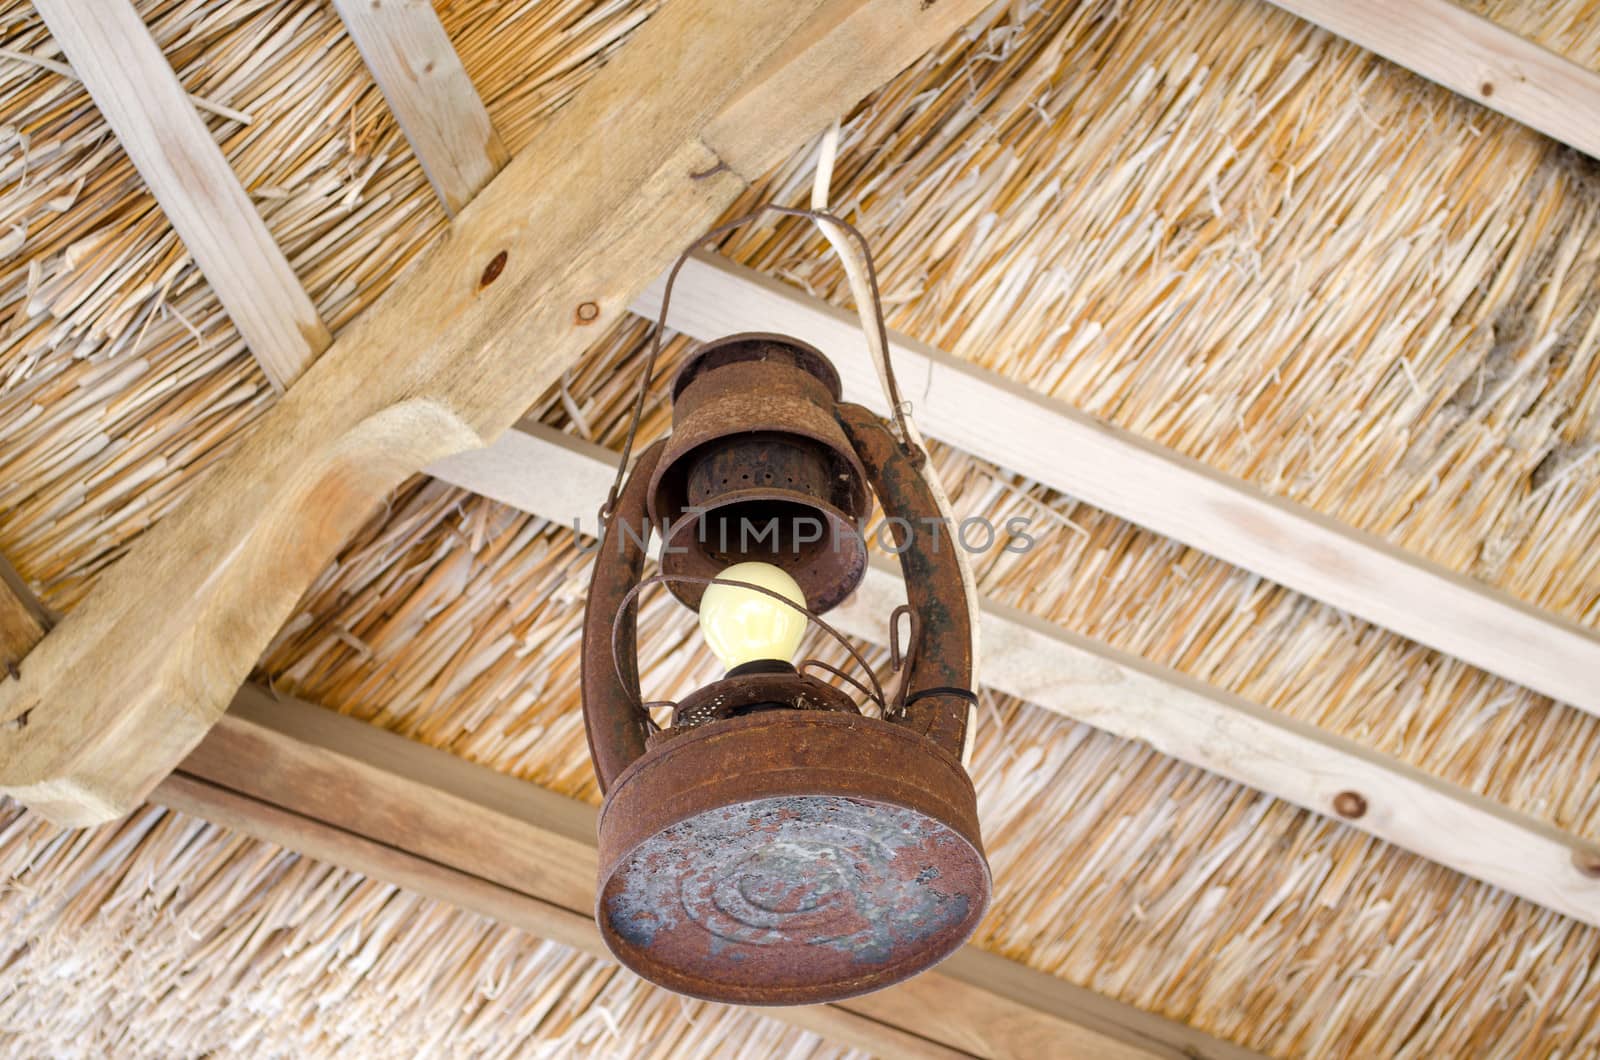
790	858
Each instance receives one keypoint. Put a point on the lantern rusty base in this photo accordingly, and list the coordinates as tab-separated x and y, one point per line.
790	858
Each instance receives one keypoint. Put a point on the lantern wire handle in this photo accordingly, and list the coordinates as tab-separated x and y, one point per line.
858	270
900	661
822	218
841	675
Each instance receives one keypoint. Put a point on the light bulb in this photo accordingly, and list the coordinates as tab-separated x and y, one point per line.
742	626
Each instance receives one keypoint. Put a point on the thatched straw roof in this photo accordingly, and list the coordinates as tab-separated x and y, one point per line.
1201	220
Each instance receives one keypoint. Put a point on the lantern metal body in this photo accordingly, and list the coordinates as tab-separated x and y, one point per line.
774	845
761	467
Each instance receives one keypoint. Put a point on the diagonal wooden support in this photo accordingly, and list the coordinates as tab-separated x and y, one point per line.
660	142
349	793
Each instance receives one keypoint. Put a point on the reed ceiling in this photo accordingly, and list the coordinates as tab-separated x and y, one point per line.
1201	220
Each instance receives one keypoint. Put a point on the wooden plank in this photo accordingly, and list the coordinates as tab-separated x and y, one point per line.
22	623
385	790
1474	57
376	784
1081	678
1068	450
429	92
115	57
431	879
447	358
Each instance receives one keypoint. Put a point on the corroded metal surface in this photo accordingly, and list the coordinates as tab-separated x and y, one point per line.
775	846
613	720
815	542
756	443
789	858
940	681
740	694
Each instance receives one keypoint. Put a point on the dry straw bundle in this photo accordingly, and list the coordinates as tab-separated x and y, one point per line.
163	935
1200	220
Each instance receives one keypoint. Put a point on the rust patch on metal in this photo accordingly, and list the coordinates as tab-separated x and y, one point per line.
790	857
794	891
775	846
740	694
756	444
613	721
938	687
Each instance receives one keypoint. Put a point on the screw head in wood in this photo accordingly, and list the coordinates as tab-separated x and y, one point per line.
1350	805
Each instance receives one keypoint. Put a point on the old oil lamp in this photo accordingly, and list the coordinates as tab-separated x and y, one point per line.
777	842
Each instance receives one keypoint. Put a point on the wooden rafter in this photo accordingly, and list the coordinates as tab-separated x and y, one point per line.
693	109
347	792
1474	57
1054	444
428	90
127	76
560	478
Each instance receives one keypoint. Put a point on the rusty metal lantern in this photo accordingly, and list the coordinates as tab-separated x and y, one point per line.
773	843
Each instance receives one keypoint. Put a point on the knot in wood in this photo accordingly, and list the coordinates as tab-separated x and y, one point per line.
1350	805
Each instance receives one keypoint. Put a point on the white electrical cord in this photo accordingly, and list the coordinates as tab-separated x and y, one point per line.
855	268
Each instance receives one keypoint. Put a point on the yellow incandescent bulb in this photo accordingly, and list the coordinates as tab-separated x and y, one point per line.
742	626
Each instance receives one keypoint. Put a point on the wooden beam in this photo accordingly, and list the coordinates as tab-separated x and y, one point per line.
1054	444
995	420
22	623
446	359
115	57
352	794
1474	57
1128	696
430	94
419	875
